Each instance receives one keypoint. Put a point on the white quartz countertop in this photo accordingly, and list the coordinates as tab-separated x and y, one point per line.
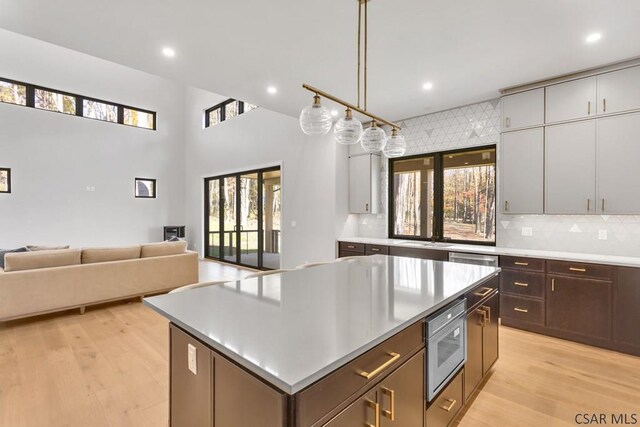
625	261
293	328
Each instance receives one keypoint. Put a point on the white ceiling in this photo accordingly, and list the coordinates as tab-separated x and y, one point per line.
468	48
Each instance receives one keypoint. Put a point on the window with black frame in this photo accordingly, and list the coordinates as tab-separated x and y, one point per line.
447	196
226	110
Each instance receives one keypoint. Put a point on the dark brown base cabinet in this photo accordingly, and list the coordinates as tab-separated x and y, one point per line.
589	303
482	341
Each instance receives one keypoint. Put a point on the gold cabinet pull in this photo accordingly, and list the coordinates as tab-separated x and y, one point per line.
485	293
391	413
521	263
369	375
452	403
521	310
581	270
524	285
351	247
376	407
482	313
487	316
553	285
375	250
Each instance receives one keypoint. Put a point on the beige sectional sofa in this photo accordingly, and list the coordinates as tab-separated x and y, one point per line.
47	281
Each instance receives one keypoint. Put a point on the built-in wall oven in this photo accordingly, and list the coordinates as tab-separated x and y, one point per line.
446	340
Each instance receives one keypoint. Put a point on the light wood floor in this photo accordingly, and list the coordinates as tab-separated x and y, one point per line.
109	367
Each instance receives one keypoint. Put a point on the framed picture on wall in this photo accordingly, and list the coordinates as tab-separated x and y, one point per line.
145	188
5	180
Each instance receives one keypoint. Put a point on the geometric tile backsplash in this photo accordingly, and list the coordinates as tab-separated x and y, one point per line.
479	124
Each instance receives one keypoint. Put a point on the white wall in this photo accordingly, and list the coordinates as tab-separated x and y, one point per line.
54	157
312	196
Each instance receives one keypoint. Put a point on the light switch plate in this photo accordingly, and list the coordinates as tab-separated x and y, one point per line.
193	359
602	234
527	231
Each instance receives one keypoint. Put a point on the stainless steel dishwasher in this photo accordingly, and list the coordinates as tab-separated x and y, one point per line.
488	260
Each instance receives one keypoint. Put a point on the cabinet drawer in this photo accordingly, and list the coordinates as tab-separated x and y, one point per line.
446	406
481	292
523	283
522	308
352	247
522	263
593	271
376	249
434	254
325	395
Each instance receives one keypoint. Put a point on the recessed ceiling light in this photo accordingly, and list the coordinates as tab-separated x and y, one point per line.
593	37
168	52
427	86
334	113
272	90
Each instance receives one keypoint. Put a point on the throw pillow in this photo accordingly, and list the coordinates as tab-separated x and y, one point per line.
6	251
45	248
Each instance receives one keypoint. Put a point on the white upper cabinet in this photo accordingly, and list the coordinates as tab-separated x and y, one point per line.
571	100
619	91
521	171
618	171
570	168
523	109
364	184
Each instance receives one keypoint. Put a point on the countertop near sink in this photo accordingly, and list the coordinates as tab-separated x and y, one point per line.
496	250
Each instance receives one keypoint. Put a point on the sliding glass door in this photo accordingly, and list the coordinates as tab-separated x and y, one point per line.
242	218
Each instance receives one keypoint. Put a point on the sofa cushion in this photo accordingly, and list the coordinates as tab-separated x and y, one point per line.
45	248
8	251
41	259
91	255
162	249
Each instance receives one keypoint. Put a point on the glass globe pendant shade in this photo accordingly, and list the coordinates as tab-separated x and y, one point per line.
396	145
315	119
373	139
348	130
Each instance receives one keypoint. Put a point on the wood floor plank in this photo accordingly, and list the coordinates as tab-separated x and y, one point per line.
109	368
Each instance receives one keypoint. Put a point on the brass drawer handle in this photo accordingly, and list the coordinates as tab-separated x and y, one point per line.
524	285
581	270
482	313
521	310
369	375
485	293
451	405
376	407
521	263
351	247
375	249
487	315
391	413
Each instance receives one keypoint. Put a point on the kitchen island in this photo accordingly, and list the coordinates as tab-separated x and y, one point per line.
315	346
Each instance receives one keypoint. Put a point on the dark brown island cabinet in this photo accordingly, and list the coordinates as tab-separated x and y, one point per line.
590	303
384	387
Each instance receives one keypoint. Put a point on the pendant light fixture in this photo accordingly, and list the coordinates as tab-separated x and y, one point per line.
396	145
316	120
348	130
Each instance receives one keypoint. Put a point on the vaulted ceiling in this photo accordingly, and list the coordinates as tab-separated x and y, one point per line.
469	49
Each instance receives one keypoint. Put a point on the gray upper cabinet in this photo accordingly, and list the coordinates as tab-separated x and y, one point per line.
522	174
570	168
571	100
619	91
524	109
618	171
364	184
